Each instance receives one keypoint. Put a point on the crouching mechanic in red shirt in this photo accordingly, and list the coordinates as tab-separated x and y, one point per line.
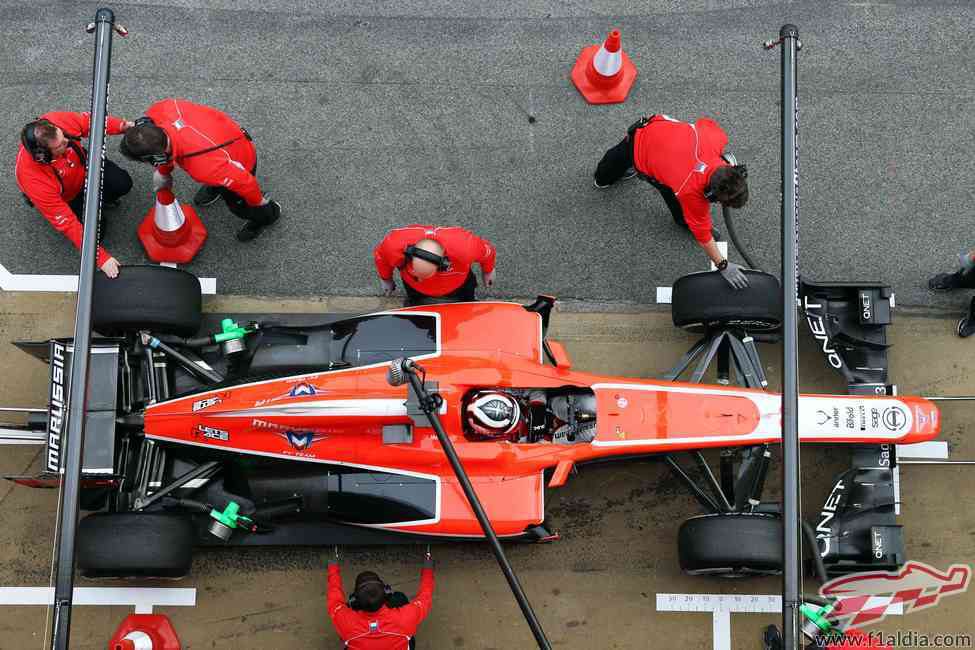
434	263
375	617
51	168
685	161
212	149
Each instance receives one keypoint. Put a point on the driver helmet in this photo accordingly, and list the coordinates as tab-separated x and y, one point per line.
493	414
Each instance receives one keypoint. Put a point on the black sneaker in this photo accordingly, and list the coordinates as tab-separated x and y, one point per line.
206	195
944	282
276	214
772	638
250	232
253	229
627	175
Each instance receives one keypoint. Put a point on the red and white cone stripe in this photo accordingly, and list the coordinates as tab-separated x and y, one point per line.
609	59
169	215
135	640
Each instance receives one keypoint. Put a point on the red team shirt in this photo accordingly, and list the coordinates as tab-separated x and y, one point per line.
385	629
50	187
193	127
461	247
682	156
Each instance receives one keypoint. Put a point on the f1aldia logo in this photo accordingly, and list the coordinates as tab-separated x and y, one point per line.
867	598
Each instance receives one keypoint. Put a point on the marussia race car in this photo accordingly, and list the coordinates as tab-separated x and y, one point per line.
273	434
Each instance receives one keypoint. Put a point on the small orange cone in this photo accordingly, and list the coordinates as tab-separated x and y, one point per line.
603	73
145	632
171	232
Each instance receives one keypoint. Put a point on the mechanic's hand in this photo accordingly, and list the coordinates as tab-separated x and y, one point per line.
111	267
388	286
734	276
126	125
161	181
488	278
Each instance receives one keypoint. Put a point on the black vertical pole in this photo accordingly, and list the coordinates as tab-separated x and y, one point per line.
791	502
78	396
430	410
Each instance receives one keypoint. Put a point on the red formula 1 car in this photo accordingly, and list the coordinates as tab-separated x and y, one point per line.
291	434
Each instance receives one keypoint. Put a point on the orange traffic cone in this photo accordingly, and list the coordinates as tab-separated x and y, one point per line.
145	632
603	73
171	232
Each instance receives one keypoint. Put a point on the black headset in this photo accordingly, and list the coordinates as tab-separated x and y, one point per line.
442	261
710	194
39	151
354	601
151	158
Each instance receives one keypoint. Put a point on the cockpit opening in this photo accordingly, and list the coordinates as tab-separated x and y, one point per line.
531	415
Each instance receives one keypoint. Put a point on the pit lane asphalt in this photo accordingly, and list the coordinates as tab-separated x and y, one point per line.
369	115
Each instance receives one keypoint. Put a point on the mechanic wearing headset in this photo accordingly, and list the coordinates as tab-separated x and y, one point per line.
685	162
51	167
434	263
213	149
375	617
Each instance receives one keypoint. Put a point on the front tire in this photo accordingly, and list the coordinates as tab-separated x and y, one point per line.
731	545
704	300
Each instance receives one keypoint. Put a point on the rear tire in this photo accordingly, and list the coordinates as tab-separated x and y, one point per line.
155	298
135	545
731	545
704	300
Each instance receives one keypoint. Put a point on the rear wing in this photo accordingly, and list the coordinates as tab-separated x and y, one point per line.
98	458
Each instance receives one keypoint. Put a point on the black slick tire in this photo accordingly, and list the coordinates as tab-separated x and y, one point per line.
703	300
155	298
731	545
135	545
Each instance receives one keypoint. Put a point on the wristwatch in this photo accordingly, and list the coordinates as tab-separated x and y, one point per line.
723	264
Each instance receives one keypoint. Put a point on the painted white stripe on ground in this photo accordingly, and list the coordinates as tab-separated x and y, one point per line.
142	598
930	450
64	283
722	606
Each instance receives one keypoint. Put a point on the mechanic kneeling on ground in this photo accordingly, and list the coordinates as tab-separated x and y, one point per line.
212	149
51	168
683	160
434	263
375	617
963	278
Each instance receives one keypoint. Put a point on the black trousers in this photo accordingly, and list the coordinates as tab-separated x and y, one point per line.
260	215
116	183
618	160
464	293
